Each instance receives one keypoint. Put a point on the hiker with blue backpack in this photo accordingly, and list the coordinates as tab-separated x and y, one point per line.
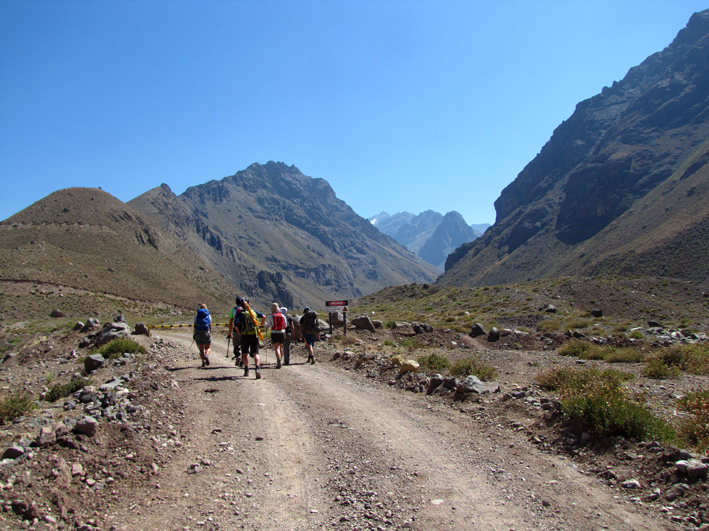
202	335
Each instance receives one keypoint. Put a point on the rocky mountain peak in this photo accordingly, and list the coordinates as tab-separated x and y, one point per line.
630	147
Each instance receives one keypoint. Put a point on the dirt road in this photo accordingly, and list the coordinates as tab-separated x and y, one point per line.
316	447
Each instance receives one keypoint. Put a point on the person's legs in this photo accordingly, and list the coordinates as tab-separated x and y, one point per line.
286	349
278	347
309	342
201	354
245	355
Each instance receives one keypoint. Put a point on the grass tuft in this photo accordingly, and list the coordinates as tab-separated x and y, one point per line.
473	366
695	430
433	362
62	390
599	399
15	405
117	347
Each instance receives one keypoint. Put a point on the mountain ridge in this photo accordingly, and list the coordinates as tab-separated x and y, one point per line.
279	234
618	185
430	235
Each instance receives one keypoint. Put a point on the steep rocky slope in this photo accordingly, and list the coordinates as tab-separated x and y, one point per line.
280	235
86	238
621	186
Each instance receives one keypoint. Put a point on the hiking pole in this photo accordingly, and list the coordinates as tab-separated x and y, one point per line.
228	341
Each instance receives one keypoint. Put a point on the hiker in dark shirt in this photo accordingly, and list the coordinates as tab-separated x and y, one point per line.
289	336
310	331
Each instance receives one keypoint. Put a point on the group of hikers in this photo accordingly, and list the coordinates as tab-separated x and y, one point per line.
246	324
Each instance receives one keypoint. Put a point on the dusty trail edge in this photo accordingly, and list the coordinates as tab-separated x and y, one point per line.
314	447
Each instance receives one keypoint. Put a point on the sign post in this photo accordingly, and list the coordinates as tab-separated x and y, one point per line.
337	306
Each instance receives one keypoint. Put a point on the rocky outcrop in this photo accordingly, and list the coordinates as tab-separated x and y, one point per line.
617	189
282	236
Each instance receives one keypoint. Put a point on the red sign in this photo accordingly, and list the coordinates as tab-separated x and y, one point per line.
336	306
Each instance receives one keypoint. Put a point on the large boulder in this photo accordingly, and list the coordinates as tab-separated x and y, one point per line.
478	330
473	384
363	322
86	426
111	331
141	329
409	366
94	362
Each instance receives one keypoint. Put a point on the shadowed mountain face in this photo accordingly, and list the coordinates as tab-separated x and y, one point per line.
620	188
85	238
429	235
280	235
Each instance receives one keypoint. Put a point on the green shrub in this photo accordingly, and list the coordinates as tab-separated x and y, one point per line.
567	380
117	347
694	431
599	399
410	342
583	349
613	414
389	343
578	324
433	362
473	366
659	369
60	391
624	355
636	334
548	325
15	405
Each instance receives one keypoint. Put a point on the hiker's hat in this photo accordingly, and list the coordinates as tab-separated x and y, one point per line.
284	309
239	300
307	309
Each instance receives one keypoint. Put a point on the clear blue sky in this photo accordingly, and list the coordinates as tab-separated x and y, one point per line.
399	105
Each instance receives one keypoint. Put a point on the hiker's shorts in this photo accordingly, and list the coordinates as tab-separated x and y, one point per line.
202	337
278	337
310	339
249	344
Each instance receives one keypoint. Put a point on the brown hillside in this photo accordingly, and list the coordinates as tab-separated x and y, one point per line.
85	238
280	235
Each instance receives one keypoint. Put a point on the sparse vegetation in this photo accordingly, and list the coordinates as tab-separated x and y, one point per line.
473	366
117	347
15	405
433	362
60	391
695	430
599	399
672	361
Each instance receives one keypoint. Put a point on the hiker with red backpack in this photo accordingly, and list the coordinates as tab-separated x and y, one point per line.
245	323
277	323
310	331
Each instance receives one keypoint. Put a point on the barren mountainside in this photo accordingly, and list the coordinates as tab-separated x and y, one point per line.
280	235
620	188
86	238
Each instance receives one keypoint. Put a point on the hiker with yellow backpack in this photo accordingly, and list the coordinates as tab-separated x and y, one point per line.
245	323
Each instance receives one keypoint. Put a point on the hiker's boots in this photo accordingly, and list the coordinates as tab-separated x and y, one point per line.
258	373
246	371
